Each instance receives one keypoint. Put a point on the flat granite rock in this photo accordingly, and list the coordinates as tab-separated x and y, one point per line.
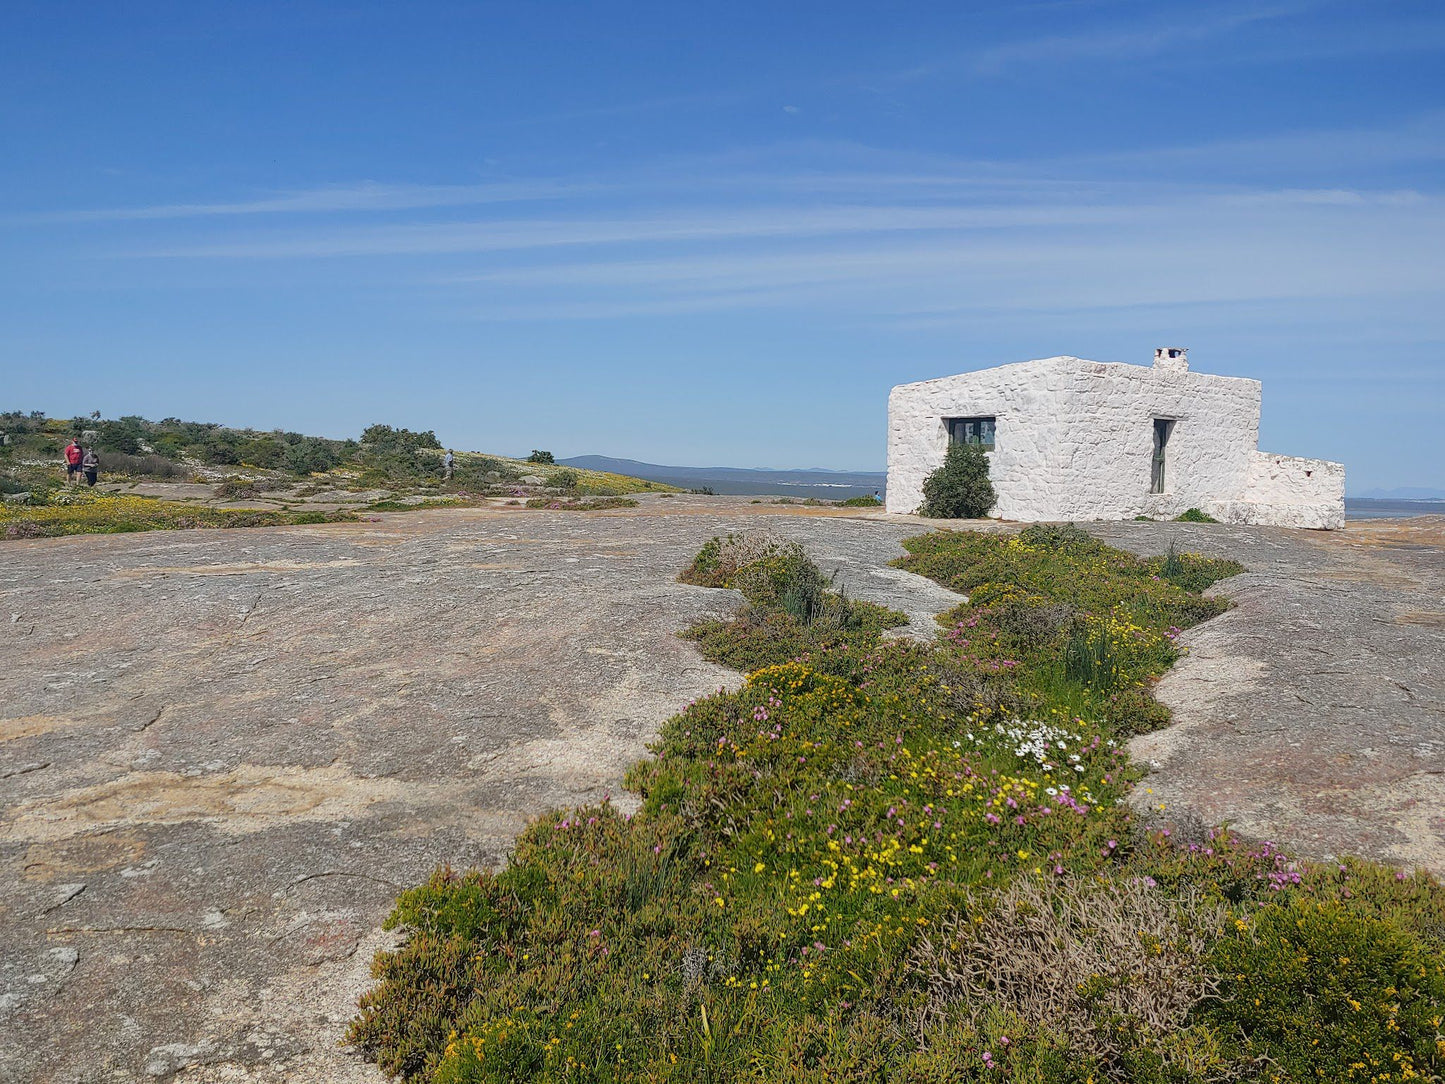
223	753
1313	712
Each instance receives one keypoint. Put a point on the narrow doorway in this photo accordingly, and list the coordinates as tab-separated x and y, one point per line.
1163	427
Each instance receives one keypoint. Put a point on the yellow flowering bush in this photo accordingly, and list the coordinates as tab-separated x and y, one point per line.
1314	990
113	514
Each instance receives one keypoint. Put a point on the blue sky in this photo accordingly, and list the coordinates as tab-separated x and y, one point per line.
718	233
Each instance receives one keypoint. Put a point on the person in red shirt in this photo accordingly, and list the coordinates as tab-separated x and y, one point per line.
73	457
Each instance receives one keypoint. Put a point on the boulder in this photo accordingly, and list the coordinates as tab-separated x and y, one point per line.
17	498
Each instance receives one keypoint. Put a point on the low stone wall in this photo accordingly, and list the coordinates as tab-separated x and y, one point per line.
1288	491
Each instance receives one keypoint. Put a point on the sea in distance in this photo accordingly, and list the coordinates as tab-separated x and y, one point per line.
1380	508
840	485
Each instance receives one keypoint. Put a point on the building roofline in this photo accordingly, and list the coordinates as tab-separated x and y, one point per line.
1070	361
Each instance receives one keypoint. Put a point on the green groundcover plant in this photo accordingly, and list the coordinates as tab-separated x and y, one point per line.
887	860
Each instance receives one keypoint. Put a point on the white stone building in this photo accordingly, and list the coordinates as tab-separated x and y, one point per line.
1070	439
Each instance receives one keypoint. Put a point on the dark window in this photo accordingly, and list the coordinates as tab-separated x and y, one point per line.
971	431
1163	428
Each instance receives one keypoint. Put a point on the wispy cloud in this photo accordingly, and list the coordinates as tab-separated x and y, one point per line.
1214	251
702	224
839	170
362	196
1255	33
1133	40
1136	205
1419	140
854	231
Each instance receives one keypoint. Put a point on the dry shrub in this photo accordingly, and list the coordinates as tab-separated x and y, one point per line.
1114	965
238	488
974	693
155	466
723	556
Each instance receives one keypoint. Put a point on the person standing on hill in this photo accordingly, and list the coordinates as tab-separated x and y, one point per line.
73	456
90	464
449	462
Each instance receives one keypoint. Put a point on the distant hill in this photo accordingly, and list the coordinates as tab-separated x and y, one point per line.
753	481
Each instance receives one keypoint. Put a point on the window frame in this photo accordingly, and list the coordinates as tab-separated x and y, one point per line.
984	423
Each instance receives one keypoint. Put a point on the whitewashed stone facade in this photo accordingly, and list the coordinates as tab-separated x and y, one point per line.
1076	440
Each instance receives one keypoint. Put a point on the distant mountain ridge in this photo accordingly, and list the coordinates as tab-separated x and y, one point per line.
754	481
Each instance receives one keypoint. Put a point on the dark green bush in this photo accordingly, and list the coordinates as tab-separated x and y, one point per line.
960	488
262	450
386	439
785	571
1194	515
220	452
538	456
124	436
310	455
169	445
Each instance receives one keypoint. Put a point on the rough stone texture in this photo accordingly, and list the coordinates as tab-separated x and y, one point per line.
1313	713
222	753
1075	441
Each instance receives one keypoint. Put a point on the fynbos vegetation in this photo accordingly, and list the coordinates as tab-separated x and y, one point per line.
274	468
880	860
86	513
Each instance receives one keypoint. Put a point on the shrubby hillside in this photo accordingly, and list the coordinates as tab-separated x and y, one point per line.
382	456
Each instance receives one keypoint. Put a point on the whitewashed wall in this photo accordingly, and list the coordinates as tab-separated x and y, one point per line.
1074	441
1023	397
1289	491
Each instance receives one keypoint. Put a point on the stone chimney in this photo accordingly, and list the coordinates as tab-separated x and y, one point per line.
1174	359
